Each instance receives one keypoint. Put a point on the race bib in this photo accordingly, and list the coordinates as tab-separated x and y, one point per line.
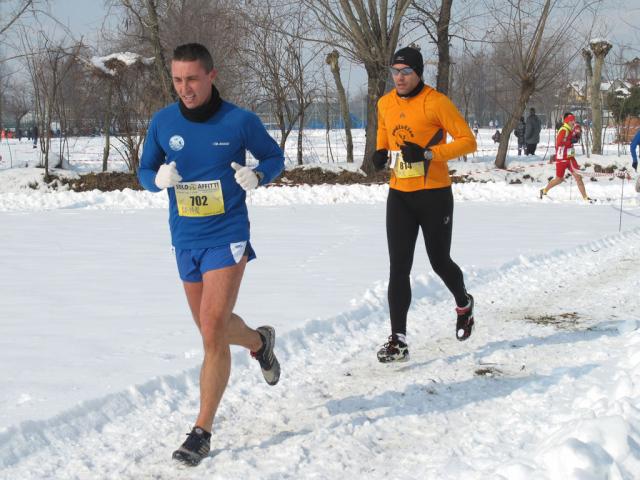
403	169
199	199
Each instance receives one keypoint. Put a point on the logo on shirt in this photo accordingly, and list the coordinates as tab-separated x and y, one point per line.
221	144
176	143
402	133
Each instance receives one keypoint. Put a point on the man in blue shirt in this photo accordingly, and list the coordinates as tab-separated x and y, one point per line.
195	149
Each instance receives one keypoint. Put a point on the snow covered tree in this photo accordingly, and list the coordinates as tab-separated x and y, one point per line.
131	100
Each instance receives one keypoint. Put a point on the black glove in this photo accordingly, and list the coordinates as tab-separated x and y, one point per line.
380	159
634	164
414	153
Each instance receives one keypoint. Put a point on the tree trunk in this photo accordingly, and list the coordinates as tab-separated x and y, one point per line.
107	124
332	61
160	62
444	61
600	50
527	87
300	132
327	121
376	83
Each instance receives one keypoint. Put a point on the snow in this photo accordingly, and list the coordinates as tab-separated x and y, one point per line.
100	359
127	58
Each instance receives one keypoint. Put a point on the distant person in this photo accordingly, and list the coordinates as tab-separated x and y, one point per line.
634	146
413	123
475	129
19	134
196	150
532	132
490	123
35	136
568	135
496	136
519	133
634	156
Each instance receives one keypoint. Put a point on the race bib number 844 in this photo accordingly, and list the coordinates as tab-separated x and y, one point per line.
403	169
199	199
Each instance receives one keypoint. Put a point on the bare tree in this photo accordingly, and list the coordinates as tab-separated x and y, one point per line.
144	16
534	34
600	49
153	28
10	18
367	32
19	103
281	67
47	61
332	60
435	20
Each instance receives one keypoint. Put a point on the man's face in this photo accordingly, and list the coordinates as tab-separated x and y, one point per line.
192	82
404	83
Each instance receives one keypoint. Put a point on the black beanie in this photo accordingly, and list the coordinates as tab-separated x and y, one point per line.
411	57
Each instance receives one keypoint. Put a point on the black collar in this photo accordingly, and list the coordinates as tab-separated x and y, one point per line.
413	92
204	112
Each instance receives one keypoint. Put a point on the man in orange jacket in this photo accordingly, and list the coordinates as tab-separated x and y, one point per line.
413	122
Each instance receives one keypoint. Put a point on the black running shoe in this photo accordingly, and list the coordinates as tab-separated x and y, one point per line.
393	351
268	361
464	325
195	447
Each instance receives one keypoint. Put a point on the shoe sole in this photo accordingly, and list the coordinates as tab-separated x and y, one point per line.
462	339
395	360
185	460
272	376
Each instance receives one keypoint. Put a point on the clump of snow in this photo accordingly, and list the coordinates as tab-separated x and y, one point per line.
126	58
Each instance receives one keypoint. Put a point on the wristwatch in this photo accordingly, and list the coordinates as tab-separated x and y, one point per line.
428	154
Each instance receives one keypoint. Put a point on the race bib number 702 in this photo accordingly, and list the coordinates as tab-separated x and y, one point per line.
199	199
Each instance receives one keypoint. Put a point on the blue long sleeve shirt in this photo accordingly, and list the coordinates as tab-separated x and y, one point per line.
203	152
634	146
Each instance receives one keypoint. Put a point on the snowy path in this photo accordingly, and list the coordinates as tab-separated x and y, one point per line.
558	395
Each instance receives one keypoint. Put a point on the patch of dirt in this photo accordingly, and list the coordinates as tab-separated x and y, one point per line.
600	169
488	372
567	320
319	176
110	181
106	182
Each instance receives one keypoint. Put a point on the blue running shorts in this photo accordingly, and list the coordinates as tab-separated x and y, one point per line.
194	262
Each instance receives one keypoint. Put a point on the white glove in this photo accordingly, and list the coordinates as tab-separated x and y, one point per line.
245	176
167	176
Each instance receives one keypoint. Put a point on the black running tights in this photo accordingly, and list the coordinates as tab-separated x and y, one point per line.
432	211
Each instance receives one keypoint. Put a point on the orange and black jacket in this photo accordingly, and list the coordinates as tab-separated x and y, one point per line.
417	119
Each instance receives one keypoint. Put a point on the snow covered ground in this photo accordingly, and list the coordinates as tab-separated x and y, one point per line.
99	357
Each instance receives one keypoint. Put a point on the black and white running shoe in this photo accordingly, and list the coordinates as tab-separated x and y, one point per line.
195	447
394	350
465	322
265	356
